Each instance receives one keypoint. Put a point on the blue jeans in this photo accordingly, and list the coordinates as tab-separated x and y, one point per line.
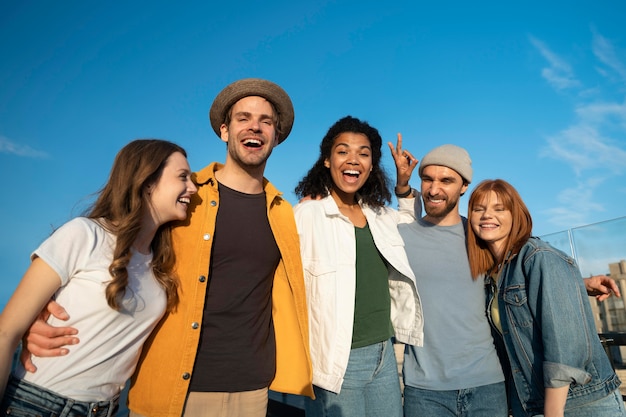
371	387
485	401
610	406
23	399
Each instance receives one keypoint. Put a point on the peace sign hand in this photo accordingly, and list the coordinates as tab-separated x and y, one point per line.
405	164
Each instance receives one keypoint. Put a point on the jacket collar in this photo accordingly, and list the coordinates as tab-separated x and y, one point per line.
206	176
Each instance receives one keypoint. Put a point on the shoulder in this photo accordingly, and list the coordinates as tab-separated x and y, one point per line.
535	245
206	174
309	208
75	242
536	250
275	197
383	214
81	226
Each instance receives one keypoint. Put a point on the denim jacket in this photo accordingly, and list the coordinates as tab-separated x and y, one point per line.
548	330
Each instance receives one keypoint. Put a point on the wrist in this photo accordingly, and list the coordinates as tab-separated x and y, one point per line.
401	193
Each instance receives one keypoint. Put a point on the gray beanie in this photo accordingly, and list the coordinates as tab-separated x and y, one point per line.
450	156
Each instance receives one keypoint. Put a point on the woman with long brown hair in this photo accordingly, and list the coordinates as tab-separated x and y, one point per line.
113	272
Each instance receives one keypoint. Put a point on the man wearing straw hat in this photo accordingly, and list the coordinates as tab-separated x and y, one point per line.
241	325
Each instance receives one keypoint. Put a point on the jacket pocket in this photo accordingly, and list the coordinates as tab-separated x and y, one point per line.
516	305
319	279
320	283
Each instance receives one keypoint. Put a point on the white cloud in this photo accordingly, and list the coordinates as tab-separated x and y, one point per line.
608	115
7	146
605	52
594	145
559	74
583	148
575	204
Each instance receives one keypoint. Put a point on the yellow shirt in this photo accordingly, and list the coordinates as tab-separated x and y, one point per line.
161	381
495	313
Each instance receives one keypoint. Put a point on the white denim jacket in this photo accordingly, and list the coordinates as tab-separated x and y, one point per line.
328	249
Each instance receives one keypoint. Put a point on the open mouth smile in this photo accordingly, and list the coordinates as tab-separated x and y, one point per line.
253	143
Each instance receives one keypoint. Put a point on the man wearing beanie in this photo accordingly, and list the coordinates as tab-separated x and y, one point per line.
241	324
456	372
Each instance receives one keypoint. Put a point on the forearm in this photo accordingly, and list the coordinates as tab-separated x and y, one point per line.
8	346
555	401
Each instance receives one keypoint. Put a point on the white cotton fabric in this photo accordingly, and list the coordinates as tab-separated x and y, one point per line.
328	249
110	341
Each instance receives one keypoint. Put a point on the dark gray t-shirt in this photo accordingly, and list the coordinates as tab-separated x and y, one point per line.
237	349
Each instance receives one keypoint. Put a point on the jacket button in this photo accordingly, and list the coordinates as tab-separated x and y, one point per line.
202	278
186	375
213	203
194	325
206	236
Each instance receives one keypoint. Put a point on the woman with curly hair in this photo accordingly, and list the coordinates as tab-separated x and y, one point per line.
360	289
113	272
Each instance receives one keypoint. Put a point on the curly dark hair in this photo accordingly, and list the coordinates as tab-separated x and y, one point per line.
318	182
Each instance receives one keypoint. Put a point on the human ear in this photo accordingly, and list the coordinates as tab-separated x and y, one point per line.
224	133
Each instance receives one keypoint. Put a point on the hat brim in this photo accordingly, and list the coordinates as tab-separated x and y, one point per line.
253	87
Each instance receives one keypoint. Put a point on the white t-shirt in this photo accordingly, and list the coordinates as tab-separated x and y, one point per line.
110	341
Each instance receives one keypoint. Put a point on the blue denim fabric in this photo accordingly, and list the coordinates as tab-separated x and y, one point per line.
371	387
23	399
548	330
610	406
485	401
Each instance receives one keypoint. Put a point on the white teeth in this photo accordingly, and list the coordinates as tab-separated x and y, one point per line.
252	141
351	172
185	200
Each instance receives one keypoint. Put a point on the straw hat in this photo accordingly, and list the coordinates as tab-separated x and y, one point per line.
253	87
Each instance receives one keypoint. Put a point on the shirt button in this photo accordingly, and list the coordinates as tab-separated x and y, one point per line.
194	325
206	236
202	278
186	375
213	203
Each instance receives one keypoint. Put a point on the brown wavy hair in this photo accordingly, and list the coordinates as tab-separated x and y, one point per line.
120	207
480	258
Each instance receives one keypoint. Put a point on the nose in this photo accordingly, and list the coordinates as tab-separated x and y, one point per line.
191	187
255	125
353	159
433	189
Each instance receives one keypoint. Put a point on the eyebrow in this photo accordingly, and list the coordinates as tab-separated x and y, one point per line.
248	114
347	145
451	178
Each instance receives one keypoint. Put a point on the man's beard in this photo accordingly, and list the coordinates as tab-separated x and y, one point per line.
440	212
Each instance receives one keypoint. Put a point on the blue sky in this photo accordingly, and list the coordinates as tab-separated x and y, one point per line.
535	91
